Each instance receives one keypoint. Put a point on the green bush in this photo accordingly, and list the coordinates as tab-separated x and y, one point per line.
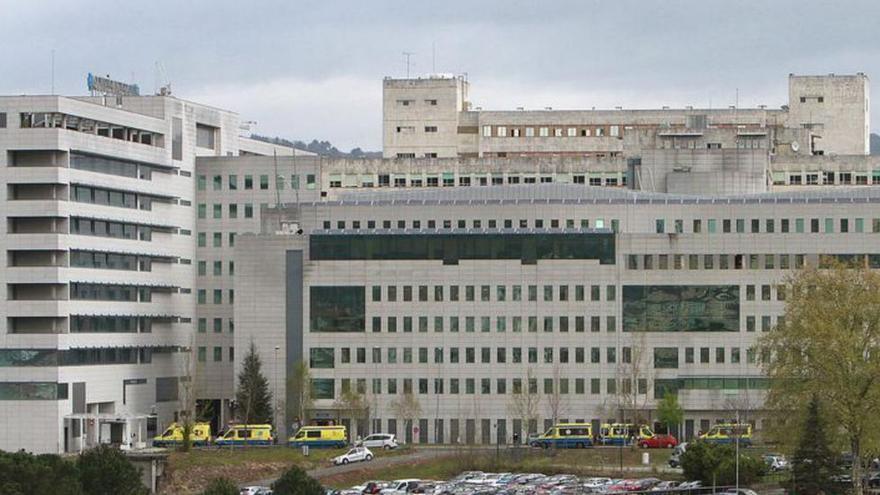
221	486
295	481
22	473
105	470
716	464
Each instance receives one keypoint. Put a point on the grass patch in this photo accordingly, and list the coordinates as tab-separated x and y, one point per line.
190	472
583	462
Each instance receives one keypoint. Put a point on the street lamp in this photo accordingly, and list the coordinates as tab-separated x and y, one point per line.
277	400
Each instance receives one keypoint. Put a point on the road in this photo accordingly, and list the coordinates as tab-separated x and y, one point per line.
379	462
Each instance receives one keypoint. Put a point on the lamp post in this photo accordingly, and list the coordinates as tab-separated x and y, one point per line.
277	407
737	433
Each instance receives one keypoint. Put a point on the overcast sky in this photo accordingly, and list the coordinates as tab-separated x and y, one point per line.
314	69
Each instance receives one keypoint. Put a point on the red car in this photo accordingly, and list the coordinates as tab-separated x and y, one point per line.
658	441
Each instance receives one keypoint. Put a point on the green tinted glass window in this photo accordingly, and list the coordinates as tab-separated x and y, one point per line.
337	308
685	308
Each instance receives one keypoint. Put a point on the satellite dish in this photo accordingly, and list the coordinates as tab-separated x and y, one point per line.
795	146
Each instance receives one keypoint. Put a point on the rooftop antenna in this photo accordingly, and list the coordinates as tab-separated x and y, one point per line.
162	84
433	57
277	190
407	56
53	71
295	189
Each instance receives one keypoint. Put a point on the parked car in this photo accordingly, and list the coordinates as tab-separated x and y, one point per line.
658	441
776	462
741	491
255	490
385	441
373	487
401	487
356	454
664	486
677	452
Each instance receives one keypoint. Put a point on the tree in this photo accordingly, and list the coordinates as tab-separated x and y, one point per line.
715	465
829	348
295	481
105	470
253	399
188	398
813	464
669	411
555	406
632	372
299	393
524	402
22	473
406	408
354	406
221	486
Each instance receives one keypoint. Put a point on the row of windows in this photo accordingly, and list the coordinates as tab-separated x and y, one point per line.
114	166
33	391
216	268
78	357
217	356
247	210
826	178
497	293
448	179
217	296
471	324
110	292
546	131
114	324
583	223
217	325
104	228
698	226
325	388
744	261
108	197
110	261
216	239
452	247
263	182
663	357
768	225
89	126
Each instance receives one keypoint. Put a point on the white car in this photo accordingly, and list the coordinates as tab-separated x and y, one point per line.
385	441
401	487
255	490
356	454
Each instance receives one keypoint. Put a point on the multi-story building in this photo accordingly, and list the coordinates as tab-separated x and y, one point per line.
98	236
125	217
433	118
596	301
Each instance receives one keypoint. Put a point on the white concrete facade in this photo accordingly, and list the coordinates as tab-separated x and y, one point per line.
432	117
98	236
462	354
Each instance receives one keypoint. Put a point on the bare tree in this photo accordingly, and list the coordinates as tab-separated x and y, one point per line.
187	387
633	371
524	403
354	406
299	393
406	408
555	406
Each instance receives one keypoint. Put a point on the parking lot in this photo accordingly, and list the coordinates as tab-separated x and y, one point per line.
482	483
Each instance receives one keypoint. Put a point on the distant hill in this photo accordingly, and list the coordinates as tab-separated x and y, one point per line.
323	148
875	144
